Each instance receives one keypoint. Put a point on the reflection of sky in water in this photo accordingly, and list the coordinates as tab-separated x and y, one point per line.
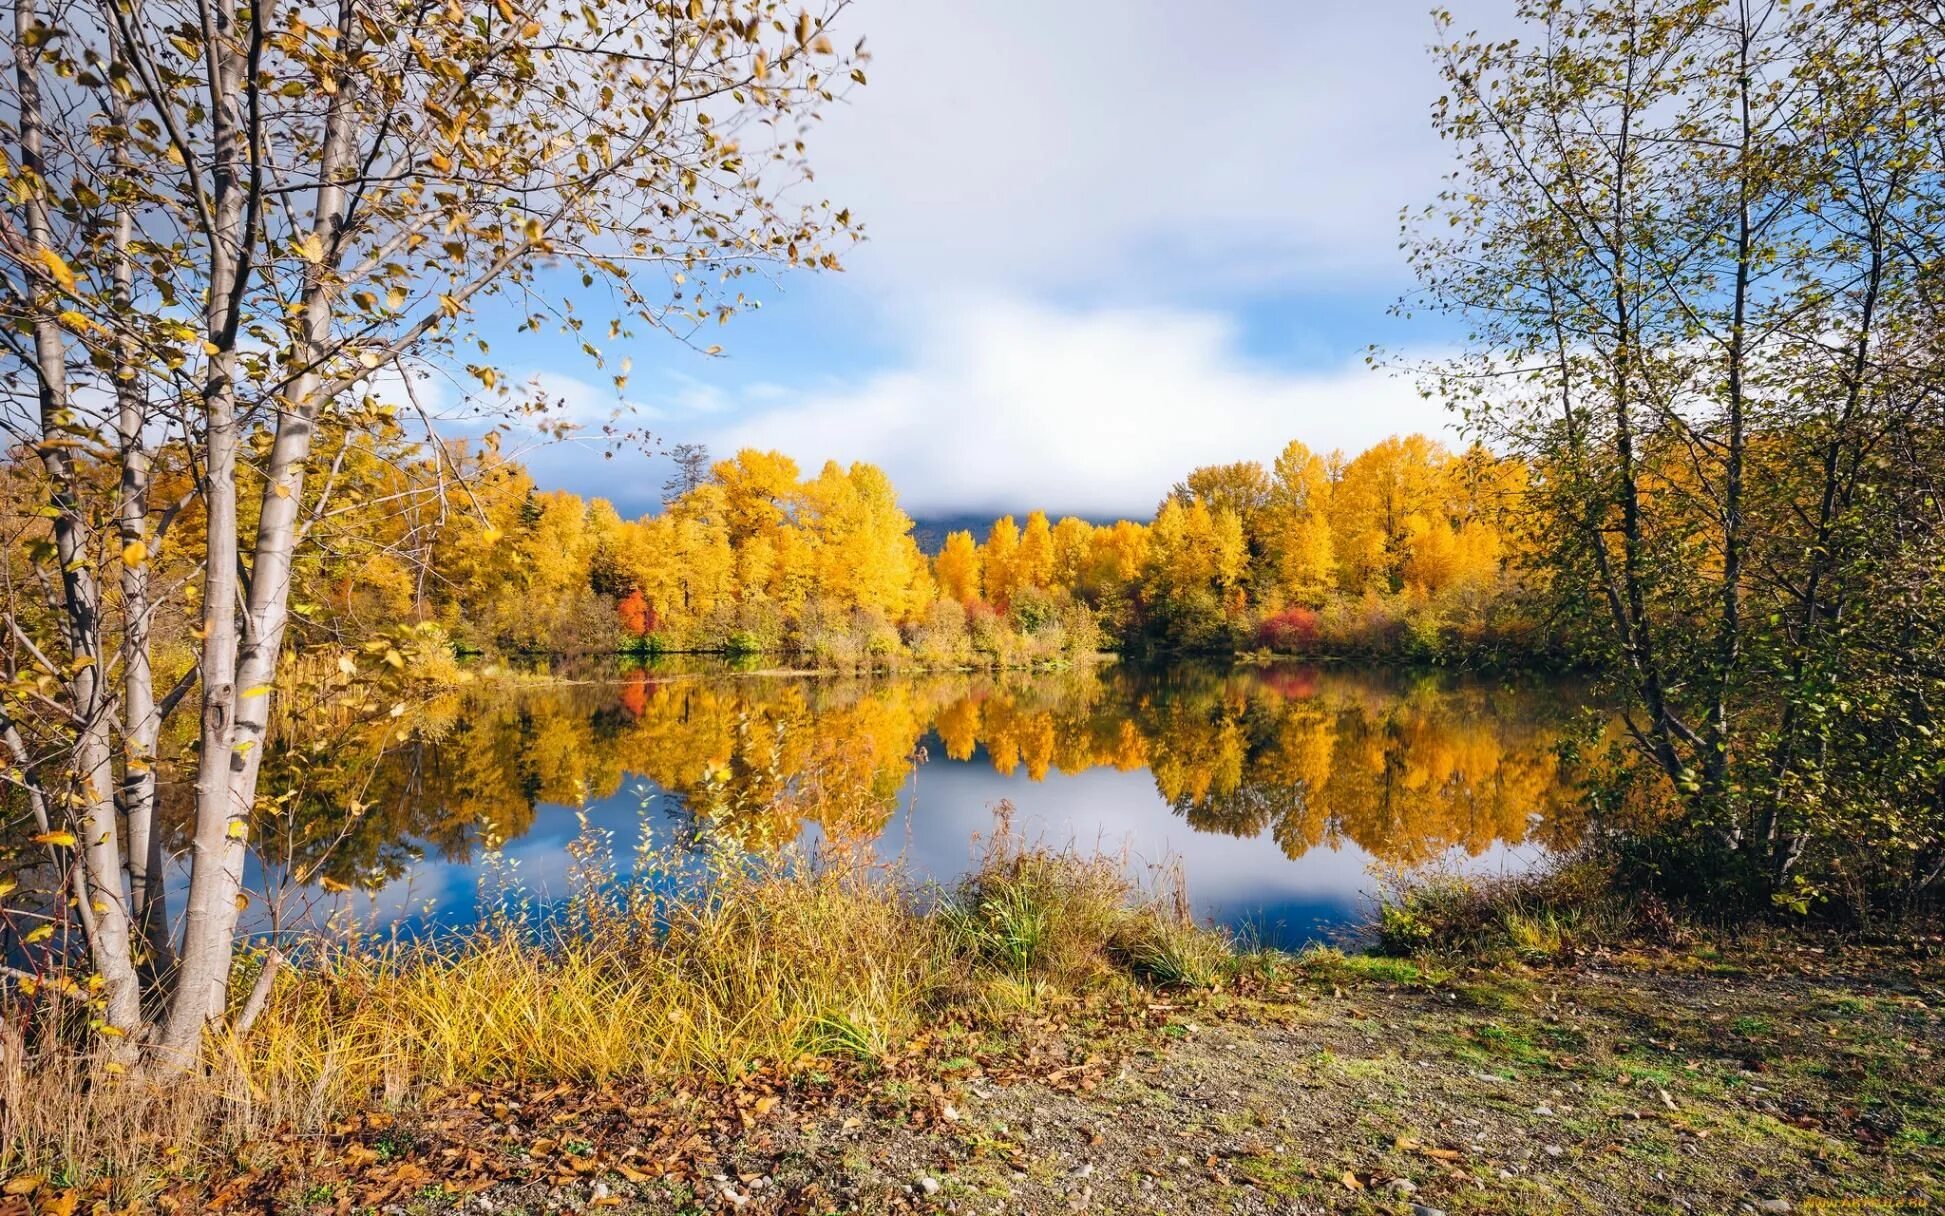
1244	882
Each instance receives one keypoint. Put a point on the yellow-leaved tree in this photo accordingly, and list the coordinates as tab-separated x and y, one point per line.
234	233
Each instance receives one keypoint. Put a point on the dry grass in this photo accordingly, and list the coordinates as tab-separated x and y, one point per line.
1569	905
775	965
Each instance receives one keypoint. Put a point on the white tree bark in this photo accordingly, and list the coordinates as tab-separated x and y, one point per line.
222	811
103	902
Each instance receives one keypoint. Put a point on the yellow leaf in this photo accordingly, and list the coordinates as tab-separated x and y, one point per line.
57	267
38	935
23	1184
312	249
441	162
75	321
64	839
134	553
7	885
238	830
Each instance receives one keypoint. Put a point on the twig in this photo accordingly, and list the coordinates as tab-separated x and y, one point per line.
253	1007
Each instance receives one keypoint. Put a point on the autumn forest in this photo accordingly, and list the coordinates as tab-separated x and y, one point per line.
1405	550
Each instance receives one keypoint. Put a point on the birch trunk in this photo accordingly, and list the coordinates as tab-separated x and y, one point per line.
103	904
222	817
266	614
141	722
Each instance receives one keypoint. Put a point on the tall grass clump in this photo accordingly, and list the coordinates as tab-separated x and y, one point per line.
1568	905
670	972
1074	922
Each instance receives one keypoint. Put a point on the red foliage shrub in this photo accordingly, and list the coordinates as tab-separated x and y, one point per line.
1292	630
636	613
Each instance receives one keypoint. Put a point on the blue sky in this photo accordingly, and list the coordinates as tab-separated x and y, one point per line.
1108	240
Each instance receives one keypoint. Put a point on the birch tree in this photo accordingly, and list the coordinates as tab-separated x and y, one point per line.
227	227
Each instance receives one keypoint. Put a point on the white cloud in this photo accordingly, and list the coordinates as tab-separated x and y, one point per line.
1056	170
1103	144
1008	405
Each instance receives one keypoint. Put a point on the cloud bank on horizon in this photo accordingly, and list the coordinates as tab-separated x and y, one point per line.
1008	406
1108	242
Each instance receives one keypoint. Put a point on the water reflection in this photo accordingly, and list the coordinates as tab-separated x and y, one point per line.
1274	787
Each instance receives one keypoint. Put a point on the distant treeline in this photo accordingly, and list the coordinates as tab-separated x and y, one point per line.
1407	549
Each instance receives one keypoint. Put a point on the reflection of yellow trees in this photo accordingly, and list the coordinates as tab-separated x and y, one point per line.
1404	770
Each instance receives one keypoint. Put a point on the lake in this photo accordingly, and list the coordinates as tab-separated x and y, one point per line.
1282	792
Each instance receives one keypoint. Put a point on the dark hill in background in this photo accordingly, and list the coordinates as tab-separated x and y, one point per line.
931	533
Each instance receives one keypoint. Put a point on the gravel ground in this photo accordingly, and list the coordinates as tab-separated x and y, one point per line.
1681	1081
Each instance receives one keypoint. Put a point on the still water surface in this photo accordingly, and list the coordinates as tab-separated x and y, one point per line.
1282	792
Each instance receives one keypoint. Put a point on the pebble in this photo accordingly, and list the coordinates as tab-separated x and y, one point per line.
928	1184
1773	1205
1554	1150
1404	1186
1419	1209
1544	1111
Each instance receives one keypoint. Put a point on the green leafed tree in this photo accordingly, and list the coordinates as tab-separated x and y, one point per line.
1696	243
